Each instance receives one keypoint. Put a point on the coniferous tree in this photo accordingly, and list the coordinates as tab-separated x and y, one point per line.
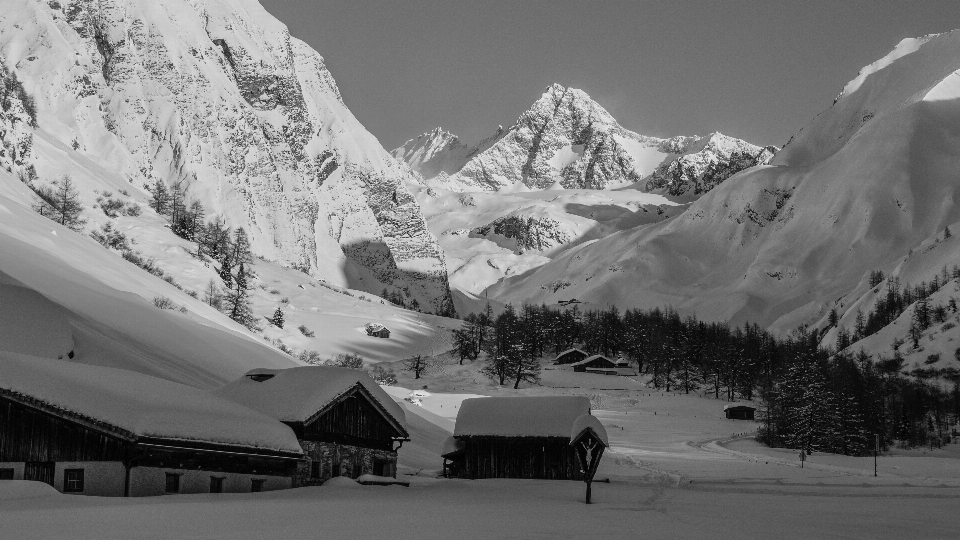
62	204
238	300
277	319
160	197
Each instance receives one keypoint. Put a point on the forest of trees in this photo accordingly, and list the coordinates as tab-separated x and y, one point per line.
810	398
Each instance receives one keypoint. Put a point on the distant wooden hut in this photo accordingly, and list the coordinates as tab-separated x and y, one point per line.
377	330
739	411
597	364
345	423
516	437
570	356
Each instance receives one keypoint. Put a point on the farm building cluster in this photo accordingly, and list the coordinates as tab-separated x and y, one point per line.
581	362
110	432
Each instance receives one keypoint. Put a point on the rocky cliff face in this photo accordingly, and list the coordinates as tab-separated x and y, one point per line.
710	161
568	140
217	95
524	233
17	115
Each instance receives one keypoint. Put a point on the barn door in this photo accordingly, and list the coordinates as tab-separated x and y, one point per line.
40	471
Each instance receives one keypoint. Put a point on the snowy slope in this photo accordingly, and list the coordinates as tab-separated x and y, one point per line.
439	152
216	94
870	179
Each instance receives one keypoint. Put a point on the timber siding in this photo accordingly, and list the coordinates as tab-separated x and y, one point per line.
30	434
352	420
550	458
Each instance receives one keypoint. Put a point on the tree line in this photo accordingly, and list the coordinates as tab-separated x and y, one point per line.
809	397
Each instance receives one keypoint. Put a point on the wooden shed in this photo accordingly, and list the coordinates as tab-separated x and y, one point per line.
377	330
570	356
345	423
109	432
516	437
739	411
597	362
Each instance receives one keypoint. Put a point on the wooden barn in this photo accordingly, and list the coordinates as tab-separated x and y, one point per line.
345	423
570	356
739	411
596	363
101	431
516	437
377	330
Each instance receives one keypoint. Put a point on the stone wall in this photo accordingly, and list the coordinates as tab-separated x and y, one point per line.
353	461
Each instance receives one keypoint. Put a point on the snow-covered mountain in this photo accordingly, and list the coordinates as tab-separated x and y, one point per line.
217	95
567	140
865	186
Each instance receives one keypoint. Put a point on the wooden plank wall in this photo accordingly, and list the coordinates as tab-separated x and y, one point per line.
27	434
352	421
549	458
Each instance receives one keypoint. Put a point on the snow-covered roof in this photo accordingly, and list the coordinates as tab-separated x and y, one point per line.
587	421
568	351
140	405
539	416
736	405
451	445
592	358
297	394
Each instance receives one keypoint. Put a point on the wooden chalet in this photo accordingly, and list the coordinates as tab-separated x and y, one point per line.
739	411
570	356
101	431
345	423
377	330
596	364
515	437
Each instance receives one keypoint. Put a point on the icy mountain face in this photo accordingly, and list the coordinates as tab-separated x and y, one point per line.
217	95
569	141
868	185
17	116
711	161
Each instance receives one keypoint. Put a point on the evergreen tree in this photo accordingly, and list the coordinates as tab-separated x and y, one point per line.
238	300
277	319
62	204
241	247
225	270
160	197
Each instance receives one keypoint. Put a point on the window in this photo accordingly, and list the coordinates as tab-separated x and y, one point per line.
335	469
173	483
256	485
315	469
6	474
216	484
73	481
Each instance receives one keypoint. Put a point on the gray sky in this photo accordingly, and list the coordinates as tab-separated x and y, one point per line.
758	70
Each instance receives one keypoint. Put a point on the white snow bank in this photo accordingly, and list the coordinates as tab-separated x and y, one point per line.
25	489
296	394
645	158
31	324
341	482
586	421
539	416
141	405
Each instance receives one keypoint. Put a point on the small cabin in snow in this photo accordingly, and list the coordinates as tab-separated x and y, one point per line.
377	330
345	423
596	364
570	356
515	437
739	411
95	430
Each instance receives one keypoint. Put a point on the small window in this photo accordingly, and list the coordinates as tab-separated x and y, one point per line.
315	469
6	474
173	483
216	484
73	481
256	485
